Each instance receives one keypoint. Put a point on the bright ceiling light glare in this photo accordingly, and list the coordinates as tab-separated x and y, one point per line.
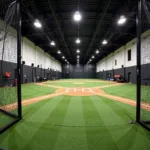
78	56
77	16
52	43
59	52
78	51
97	52
37	23
93	57
122	20
78	41
104	42
63	57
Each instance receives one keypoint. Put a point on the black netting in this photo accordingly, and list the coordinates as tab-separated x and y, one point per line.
8	63
145	64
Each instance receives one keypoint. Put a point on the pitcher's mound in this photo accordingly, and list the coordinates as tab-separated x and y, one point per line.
79	91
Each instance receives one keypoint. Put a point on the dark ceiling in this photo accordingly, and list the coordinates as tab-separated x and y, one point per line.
99	21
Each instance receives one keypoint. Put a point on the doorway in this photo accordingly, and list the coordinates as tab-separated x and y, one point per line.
129	76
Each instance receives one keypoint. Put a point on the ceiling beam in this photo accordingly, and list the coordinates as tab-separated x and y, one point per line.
98	25
41	33
58	26
43	36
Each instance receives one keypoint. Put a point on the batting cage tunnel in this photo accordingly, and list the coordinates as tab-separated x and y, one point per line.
143	61
10	51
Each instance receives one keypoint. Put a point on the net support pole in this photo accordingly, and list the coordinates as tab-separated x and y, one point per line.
19	41
138	24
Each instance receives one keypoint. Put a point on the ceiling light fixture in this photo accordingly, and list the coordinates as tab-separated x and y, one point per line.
104	42
63	57
78	51
97	51
77	16
59	52
78	56
93	56
52	43
37	23
122	20
78	41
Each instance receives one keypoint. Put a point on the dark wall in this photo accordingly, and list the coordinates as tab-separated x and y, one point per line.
79	71
145	73
9	67
29	73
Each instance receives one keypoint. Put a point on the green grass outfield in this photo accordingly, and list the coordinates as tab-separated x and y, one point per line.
124	90
9	95
33	90
128	91
75	83
76	123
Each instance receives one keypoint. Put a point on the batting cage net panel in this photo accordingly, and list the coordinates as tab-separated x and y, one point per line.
9	68
144	63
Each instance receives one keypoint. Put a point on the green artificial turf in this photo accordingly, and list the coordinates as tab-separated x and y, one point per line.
33	90
71	83
124	90
9	94
76	123
5	119
128	91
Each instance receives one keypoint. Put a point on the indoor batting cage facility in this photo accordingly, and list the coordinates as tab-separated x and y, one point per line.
74	75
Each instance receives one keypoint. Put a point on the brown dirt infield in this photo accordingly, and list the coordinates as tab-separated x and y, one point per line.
53	86
13	106
76	92
105	86
78	82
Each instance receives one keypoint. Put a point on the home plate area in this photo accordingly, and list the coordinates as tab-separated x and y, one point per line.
79	91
